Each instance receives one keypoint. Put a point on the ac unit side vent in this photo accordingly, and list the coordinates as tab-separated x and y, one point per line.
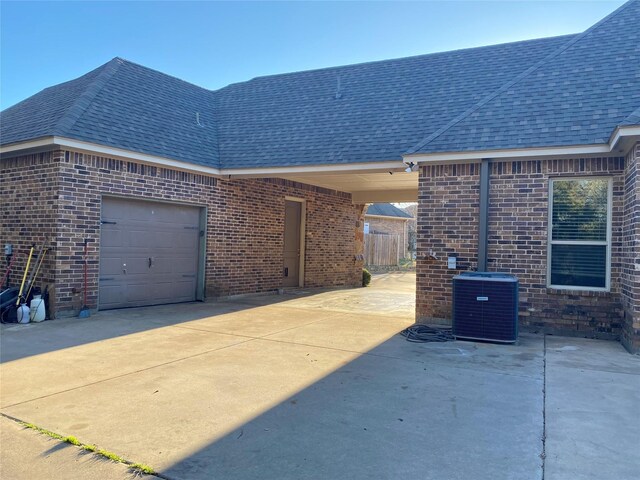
485	307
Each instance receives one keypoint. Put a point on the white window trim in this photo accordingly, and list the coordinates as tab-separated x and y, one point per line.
551	242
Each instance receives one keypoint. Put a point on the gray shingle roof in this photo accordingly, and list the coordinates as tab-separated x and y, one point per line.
386	210
124	105
570	90
575	96
384	107
633	118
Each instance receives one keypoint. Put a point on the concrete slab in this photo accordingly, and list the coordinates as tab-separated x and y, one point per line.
592	420
386	418
259	321
38	376
167	413
345	332
389	294
300	387
30	455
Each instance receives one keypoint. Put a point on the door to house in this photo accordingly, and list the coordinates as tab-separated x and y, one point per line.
149	253
292	223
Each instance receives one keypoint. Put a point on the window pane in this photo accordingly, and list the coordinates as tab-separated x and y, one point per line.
579	265
580	209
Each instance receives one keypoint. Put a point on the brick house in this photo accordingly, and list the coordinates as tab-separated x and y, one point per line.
523	158
387	219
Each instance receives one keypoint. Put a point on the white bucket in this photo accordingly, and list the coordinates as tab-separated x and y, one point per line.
23	313
38	310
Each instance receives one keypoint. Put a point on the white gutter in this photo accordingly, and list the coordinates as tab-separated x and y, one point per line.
369	167
110	152
506	153
599	149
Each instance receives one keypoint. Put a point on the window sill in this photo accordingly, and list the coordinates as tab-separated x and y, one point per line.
577	292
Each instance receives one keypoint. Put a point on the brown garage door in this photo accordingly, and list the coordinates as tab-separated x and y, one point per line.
149	253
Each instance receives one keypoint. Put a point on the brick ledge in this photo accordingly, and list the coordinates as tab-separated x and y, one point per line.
580	293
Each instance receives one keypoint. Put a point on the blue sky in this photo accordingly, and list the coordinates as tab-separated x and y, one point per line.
213	44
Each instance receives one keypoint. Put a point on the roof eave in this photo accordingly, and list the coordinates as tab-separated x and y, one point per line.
50	142
533	152
388	217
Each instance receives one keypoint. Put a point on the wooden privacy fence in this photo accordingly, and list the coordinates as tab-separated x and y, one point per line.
381	249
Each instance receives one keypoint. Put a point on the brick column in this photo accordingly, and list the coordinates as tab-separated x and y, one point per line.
361	209
630	275
448	203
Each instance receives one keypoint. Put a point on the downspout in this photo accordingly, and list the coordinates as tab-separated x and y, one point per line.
483	227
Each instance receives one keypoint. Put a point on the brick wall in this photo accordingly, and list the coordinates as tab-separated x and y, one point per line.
28	212
244	221
448	223
630	276
390	226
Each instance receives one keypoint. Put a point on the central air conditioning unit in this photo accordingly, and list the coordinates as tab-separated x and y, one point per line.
485	307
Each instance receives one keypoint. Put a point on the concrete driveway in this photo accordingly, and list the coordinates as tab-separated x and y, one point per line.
313	385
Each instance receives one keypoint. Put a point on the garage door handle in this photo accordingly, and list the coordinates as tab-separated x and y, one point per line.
150	262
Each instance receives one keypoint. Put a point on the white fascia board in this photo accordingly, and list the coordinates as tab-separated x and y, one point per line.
625	131
112	152
388	217
448	157
368	167
31	144
142	157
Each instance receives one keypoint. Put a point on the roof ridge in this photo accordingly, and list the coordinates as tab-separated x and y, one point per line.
515	80
385	60
182	80
73	113
216	125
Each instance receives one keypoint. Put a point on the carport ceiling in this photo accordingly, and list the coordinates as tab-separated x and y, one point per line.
397	186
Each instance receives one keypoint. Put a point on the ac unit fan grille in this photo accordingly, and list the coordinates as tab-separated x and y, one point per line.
485	309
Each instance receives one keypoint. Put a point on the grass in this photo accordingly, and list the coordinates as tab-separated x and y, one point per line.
135	467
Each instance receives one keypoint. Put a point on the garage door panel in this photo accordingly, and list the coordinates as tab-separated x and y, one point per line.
141	231
181	289
140	238
110	237
162	266
164	240
110	265
110	294
186	239
137	292
137	266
